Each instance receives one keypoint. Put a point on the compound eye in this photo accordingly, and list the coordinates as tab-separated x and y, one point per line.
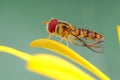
52	25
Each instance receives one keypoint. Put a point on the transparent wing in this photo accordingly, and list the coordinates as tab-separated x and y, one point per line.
91	44
96	47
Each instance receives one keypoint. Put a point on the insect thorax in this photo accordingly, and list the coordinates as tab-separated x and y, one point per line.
63	29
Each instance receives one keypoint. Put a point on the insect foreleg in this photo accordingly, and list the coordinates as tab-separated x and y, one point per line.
49	36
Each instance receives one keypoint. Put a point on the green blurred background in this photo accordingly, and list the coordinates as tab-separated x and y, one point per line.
21	22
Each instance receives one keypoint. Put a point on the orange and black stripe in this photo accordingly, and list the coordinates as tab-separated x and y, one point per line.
87	33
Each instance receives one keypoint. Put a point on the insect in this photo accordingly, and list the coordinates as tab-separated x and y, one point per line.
77	36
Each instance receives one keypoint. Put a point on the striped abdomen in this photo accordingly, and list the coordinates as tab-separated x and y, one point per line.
87	34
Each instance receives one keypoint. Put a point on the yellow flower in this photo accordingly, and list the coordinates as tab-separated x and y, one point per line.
118	30
53	66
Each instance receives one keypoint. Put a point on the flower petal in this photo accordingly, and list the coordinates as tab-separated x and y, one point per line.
15	52
56	68
67	52
48	65
118	30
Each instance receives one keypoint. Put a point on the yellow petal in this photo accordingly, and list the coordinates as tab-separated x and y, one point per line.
118	30
48	65
15	52
56	68
67	52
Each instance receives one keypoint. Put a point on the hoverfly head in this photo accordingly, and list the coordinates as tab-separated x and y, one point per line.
51	25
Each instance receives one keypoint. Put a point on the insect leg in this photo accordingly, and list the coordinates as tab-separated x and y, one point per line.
49	36
66	42
65	37
72	41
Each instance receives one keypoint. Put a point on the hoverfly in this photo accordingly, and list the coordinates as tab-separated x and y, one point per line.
77	36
